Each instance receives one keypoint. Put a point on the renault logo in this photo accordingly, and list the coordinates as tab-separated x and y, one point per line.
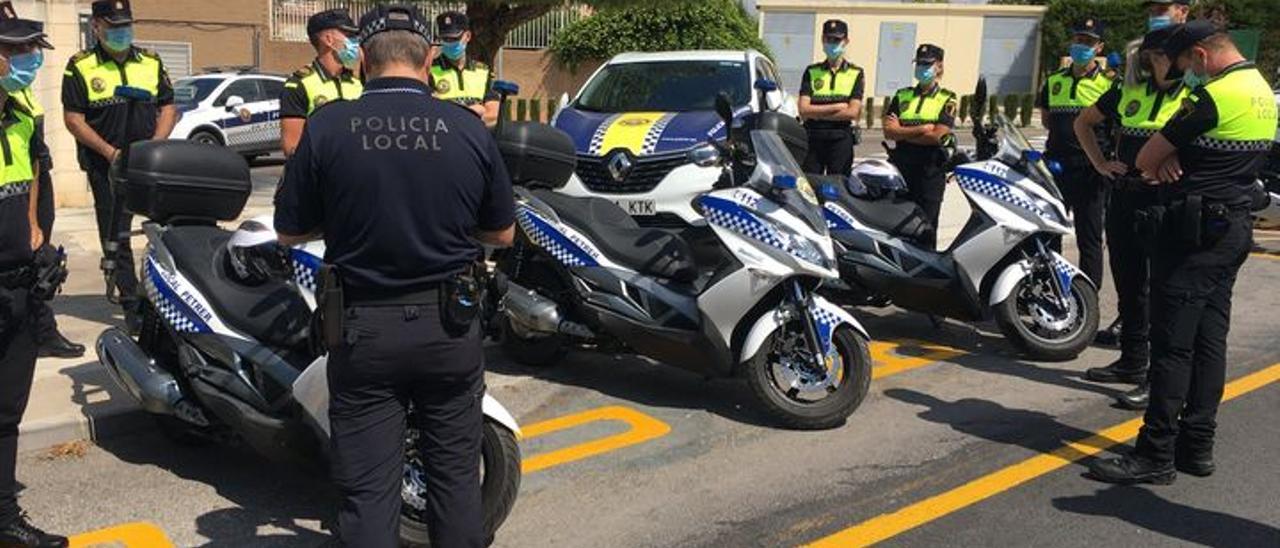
619	166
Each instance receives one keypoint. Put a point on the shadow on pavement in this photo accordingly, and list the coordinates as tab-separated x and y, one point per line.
1145	509
91	308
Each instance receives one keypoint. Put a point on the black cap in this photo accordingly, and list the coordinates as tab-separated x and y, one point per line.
337	18
1155	39
14	30
451	24
928	53
394	17
116	12
1185	36
835	28
1089	26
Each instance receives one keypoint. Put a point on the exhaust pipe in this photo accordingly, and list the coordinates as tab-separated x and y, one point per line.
153	388
535	314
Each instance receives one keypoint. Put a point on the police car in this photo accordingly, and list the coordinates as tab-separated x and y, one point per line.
636	119
238	109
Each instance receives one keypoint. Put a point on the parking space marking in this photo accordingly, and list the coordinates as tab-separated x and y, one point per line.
1272	256
886	526
129	535
642	428
891	358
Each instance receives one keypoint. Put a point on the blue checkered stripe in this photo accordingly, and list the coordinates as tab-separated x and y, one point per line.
305	269
993	187
1065	271
548	237
169	306
826	321
597	138
651	138
731	215
836	217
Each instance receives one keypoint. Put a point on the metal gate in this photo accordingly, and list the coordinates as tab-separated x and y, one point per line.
1009	53
790	36
894	69
175	55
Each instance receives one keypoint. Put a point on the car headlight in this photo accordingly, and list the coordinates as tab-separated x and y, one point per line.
705	155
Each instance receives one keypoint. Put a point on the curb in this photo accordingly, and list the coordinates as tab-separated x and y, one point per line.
42	434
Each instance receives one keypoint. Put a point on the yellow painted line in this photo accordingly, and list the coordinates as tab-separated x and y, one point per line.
129	535
891	358
641	428
1271	256
887	526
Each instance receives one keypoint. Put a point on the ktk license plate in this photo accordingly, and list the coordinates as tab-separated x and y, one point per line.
638	207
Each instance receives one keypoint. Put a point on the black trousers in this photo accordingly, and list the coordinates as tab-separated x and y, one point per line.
926	185
126	271
17	369
46	325
395	356
1085	195
1190	318
830	152
1131	271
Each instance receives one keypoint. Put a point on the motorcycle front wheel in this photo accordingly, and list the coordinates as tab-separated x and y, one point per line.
1041	328
798	395
499	484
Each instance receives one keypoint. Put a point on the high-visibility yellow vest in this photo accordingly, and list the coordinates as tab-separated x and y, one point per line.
101	75
15	180
832	86
321	89
1145	109
915	108
468	85
1246	111
1068	94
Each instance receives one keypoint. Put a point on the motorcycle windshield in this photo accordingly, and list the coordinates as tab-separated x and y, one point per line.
1013	151
773	159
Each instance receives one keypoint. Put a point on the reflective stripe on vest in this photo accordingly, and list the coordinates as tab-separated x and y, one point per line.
322	90
1068	94
915	109
1246	112
470	90
102	76
1140	115
832	90
18	171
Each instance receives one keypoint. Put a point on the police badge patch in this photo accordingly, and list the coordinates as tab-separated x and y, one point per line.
1132	108
819	83
1057	88
442	86
98	85
321	101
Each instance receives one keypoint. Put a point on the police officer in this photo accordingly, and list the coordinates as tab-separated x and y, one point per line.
1206	159
1066	93
98	120
456	77
52	341
21	42
830	102
401	186
919	120
330	76
1139	107
1166	13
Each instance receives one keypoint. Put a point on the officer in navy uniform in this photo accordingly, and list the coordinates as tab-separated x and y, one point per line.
21	42
830	102
1207	159
402	187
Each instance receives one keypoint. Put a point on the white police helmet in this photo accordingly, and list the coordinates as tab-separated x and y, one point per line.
255	254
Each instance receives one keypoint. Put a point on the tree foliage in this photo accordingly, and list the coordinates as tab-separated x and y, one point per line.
649	26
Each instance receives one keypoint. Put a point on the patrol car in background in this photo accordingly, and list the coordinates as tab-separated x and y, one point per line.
636	119
236	108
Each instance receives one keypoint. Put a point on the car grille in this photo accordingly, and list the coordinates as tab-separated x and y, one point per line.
646	173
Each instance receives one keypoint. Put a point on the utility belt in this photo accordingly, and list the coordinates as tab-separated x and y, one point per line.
1191	221
458	296
819	132
1073	162
1131	182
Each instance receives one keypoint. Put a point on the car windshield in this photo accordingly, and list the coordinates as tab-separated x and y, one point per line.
189	91
773	159
1013	149
666	86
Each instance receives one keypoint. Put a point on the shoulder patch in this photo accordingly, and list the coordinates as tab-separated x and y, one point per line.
303	72
148	53
81	55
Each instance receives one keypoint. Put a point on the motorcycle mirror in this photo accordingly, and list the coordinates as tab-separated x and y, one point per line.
506	88
785	182
1055	167
829	191
130	93
724	107
766	85
979	107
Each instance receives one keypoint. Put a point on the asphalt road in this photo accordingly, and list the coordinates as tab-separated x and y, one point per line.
956	420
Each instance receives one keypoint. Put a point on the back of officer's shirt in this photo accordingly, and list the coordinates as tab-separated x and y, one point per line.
397	181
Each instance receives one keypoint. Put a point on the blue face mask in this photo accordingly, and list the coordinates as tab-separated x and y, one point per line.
453	50
349	55
834	50
925	74
1158	22
118	38
22	71
1082	54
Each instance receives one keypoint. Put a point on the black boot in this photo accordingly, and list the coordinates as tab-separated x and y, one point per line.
1136	399
58	346
1120	371
1132	469
1194	460
22	534
1110	336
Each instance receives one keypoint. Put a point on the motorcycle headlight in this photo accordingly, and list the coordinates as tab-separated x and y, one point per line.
1048	210
803	248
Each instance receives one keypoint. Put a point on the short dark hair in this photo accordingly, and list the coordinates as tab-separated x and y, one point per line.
395	46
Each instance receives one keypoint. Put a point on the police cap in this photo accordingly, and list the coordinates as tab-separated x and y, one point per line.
1155	39
929	53
386	17
1185	36
1089	26
14	30
337	18
116	12
451	24
835	28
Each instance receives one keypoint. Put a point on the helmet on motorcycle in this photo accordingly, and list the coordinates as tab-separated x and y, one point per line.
875	179
255	256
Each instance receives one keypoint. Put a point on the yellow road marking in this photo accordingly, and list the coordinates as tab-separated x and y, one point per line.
1272	256
889	525
891	358
642	428
129	535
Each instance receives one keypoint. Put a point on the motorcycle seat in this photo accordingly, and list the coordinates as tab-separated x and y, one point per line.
273	313
647	250
894	216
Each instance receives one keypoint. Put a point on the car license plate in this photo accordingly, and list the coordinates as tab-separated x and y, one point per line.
638	208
